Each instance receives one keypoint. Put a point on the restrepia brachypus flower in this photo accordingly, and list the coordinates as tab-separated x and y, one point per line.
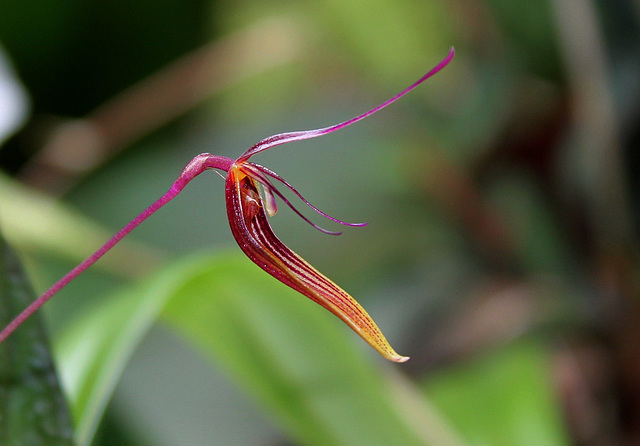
250	195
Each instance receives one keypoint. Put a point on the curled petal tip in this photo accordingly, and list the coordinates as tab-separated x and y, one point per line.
452	52
387	351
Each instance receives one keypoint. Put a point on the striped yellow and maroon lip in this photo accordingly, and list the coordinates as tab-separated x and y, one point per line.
252	231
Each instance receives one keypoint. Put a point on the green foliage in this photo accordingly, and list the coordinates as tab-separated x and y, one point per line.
32	406
502	398
296	360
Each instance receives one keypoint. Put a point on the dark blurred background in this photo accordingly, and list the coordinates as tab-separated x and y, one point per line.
502	196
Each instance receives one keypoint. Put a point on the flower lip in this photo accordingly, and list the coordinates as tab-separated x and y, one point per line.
254	235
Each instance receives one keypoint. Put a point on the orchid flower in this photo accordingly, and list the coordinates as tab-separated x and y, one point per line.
251	192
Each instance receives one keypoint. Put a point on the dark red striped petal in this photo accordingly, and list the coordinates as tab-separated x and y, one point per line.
255	237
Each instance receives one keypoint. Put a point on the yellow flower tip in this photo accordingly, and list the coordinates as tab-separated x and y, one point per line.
392	356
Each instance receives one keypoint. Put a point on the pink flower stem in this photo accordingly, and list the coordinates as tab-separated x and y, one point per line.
198	165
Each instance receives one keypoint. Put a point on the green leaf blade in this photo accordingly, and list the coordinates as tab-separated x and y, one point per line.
505	397
289	353
299	362
33	410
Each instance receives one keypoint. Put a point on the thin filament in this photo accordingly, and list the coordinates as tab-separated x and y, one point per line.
261	169
284	138
258	172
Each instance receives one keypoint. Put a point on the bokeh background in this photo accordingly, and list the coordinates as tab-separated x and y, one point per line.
502	198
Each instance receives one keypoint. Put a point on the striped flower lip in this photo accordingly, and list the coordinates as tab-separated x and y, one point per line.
251	195
252	231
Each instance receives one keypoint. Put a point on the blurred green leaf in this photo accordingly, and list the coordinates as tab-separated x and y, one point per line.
296	358
95	349
32	408
503	398
32	220
420	32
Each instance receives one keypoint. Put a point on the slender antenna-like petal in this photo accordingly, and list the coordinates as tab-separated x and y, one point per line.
254	235
258	172
284	138
254	171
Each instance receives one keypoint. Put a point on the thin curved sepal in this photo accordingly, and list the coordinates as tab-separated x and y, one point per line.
252	231
284	138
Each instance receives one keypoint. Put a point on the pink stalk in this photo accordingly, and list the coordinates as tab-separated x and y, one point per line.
197	165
